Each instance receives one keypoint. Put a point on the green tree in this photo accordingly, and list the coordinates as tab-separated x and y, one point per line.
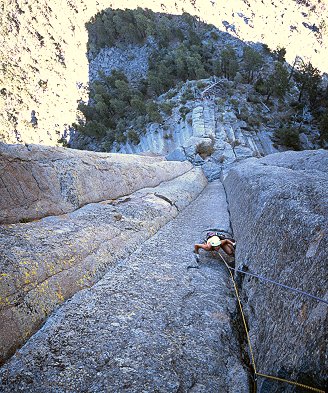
153	112
228	62
138	105
123	90
277	83
288	136
323	127
308	79
93	128
252	62
144	24
280	54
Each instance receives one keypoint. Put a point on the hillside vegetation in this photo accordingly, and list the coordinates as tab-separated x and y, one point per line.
183	48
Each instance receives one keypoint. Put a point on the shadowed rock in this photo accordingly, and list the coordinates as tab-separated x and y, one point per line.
279	212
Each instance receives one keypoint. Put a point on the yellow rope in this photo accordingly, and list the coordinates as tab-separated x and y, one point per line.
290	382
250	345
244	320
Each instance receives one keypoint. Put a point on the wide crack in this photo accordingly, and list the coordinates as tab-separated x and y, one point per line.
238	324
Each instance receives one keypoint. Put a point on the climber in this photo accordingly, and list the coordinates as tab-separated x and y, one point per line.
214	243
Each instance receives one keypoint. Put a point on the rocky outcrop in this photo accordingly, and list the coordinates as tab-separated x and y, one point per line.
279	213
212	134
46	70
40	181
154	323
45	262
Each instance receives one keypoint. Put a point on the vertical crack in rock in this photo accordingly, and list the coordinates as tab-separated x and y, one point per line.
236	317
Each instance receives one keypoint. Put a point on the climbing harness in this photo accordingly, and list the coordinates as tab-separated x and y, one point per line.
256	373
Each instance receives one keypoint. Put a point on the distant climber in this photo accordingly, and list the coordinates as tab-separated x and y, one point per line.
214	242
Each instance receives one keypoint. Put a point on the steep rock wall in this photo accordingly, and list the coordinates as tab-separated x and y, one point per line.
45	69
279	213
45	262
40	181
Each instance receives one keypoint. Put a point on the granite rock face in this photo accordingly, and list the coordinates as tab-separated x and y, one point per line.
45	262
46	68
38	181
151	324
279	213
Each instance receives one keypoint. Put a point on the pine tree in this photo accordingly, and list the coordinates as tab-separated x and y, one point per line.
253	61
229	62
308	80
277	83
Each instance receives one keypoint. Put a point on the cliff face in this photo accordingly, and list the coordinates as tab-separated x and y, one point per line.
46	261
45	69
279	212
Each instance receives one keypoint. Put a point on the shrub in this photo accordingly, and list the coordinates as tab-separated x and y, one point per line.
184	110
170	94
287	136
201	85
153	112
214	36
63	141
188	95
133	137
205	149
167	107
234	102
323	127
266	48
253	98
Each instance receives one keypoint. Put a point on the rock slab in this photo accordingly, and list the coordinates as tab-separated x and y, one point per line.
150	325
38	181
279	213
45	262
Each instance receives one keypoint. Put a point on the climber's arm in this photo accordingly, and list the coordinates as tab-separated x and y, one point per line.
206	247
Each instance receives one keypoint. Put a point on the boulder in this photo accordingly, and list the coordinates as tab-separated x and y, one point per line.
279	213
38	181
45	262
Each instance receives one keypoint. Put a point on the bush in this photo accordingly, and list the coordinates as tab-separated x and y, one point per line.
184	110
214	36
188	95
201	85
297	105
133	137
167	107
260	86
170	94
205	149
153	112
288	137
266	49
323	127
253	98
234	102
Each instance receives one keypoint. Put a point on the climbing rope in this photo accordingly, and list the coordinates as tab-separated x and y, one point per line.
256	373
279	284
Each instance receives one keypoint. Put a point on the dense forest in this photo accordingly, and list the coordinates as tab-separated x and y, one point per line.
183	48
